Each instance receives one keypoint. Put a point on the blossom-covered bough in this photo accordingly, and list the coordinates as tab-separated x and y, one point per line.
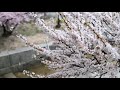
88	47
10	20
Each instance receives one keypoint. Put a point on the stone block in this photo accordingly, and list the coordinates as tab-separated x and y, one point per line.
4	62
14	58
5	71
26	56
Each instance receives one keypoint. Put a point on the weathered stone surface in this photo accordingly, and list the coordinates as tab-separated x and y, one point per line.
9	75
9	58
5	70
17	67
14	59
26	56
4	62
17	60
1	31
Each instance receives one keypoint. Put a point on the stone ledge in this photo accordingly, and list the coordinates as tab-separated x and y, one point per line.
17	67
18	59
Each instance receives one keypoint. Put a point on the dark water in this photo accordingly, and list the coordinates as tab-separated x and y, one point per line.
38	69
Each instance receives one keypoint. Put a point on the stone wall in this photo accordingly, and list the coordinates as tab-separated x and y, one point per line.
19	59
1	31
11	60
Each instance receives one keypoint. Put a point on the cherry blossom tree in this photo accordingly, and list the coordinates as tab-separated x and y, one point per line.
10	20
88	47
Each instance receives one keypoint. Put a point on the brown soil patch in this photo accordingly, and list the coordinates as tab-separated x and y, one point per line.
13	42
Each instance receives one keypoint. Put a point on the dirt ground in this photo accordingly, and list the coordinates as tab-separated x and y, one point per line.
13	42
31	31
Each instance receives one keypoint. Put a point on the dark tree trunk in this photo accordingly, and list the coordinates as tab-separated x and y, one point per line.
6	33
58	23
6	30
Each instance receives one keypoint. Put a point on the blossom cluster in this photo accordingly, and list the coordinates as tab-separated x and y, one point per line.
87	47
